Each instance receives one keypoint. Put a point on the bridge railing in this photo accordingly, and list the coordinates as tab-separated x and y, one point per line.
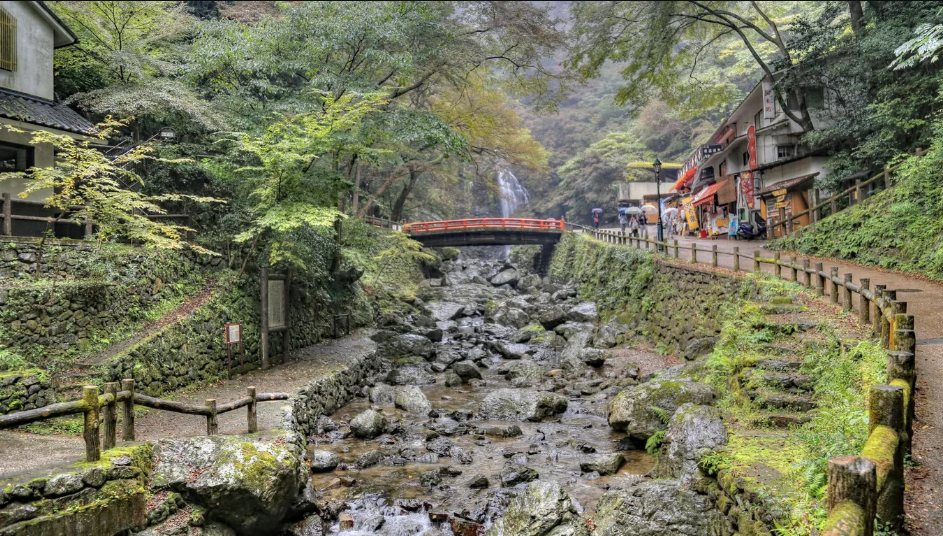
477	223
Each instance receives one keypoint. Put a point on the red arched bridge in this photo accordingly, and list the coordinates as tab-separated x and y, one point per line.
485	232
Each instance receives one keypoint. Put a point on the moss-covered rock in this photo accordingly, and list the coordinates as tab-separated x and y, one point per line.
642	410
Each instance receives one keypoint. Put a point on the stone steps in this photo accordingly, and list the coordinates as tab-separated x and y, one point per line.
784	419
788	382
69	385
782	401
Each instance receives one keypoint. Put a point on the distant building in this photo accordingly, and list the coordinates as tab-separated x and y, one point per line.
773	175
29	32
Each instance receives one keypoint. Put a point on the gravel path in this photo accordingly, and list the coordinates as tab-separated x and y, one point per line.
22	453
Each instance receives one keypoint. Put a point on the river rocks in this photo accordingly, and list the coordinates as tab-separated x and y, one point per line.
693	432
511	316
322	461
524	373
406	345
505	277
607	335
656	508
430	478
248	484
368	424
410	375
411	399
544	509
584	312
382	394
479	482
467	370
568	329
528	282
511	350
631	410
552	316
452	379
699	347
513	474
444	310
521	405
604	464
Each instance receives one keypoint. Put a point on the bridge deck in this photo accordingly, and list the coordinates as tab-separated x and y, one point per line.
486	231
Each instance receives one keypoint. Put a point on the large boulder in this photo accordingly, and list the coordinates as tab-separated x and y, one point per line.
246	483
368	424
529	282
322	460
544	509
406	345
511	316
467	370
657	508
607	335
443	310
411	399
524	373
633	411
604	464
510	350
693	432
521	405
382	394
568	329
576	342
584	312
410	375
551	316
505	277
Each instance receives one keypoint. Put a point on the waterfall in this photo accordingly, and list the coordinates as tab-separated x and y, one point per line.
511	196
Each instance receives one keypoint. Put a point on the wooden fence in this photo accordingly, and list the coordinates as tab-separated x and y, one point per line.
872	484
384	222
854	194
102	410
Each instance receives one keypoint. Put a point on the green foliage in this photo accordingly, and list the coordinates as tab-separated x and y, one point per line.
653	443
663	415
10	360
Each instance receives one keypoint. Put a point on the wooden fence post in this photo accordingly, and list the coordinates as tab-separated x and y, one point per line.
211	424
886	408
714	255
834	206
864	307
778	266
887	177
736	259
847	294
890	296
756	262
677	249
286	337
834	286
90	433
7	215
853	479
693	253
819	280
813	202
858	192
806	277
110	417
127	417
253	417
263	294
877	317
794	269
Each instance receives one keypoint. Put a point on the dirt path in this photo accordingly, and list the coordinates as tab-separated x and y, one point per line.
924	493
26	453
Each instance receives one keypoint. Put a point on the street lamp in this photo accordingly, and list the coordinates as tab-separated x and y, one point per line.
656	166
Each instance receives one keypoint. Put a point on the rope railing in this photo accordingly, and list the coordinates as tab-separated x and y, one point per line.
101	410
871	484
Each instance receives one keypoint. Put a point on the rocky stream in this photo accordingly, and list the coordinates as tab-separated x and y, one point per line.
499	415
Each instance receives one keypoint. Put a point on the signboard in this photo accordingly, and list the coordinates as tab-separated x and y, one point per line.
780	192
276	304
690	214
782	204
746	188
233	333
751	147
769	101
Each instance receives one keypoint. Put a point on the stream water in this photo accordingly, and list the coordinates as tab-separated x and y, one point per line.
426	474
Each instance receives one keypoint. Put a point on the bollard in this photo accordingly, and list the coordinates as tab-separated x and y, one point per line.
211	424
864	307
846	295
736	259
90	433
778	266
834	287
252	411
127	416
794	273
693	253
756	262
853	479
714	255
110	417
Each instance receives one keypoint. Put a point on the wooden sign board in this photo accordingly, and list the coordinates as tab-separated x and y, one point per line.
778	193
233	333
277	315
782	204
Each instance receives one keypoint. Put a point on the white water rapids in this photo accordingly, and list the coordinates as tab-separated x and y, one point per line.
511	196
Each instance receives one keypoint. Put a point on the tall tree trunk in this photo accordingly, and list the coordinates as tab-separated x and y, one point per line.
397	213
857	17
355	202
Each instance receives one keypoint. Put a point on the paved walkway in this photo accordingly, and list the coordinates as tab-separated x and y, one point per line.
924	494
25	453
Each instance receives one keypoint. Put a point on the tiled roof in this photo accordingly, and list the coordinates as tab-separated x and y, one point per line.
786	184
42	112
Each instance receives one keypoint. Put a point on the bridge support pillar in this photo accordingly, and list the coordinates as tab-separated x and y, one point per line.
543	260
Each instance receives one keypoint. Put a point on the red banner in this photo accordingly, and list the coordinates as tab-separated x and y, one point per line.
751	146
746	188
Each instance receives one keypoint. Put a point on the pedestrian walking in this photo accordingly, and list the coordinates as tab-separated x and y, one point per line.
596	220
633	226
643	225
622	222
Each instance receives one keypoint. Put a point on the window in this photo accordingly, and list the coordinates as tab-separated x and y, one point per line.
758	118
815	98
785	151
15	157
7	41
746	159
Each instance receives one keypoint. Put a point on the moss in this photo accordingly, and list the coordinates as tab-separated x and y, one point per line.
881	448
846	519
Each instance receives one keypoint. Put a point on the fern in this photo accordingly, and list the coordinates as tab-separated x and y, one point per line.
663	415
653	445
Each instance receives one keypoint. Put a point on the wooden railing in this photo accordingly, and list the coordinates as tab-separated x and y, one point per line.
872	484
384	222
854	194
102	410
477	223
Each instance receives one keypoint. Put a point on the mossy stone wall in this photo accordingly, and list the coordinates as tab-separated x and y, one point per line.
25	389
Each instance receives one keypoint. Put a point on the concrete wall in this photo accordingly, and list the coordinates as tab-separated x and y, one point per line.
637	191
34	50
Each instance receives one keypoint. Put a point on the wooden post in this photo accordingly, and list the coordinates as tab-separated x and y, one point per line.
7	215
877	317
264	296
778	266
286	338
864	307
90	434
794	270
110	417
714	255
127	417
814	201
211	424
693	253
677	249
252	416
847	293
819	281
890	296
736	259
806	277
854	479
756	262
834	286
858	191
886	408
834	206
887	177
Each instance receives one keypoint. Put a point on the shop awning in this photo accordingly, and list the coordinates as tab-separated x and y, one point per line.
707	194
684	179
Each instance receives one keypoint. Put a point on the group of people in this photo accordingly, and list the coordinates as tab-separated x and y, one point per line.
637	225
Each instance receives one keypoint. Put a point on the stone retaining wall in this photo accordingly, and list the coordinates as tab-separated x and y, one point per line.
25	389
